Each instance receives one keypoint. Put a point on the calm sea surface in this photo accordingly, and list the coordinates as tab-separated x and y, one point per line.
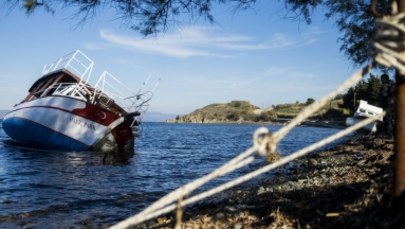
45	189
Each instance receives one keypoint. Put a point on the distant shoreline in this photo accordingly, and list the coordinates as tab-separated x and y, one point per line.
322	124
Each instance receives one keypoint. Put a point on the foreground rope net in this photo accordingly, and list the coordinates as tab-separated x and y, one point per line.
264	142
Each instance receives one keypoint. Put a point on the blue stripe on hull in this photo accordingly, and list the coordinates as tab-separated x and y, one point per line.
24	130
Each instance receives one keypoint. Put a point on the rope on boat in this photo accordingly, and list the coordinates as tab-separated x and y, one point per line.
388	53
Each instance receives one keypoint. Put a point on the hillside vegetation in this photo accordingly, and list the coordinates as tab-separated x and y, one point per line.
243	111
230	112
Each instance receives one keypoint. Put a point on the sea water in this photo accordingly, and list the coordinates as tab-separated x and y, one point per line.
56	189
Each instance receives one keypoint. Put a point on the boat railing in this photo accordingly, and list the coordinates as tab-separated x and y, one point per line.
76	62
113	90
107	90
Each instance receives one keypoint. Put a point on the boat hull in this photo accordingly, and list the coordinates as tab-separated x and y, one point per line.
370	128
63	123
28	131
364	111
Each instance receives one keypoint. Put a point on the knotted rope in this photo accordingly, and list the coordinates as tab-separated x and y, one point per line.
143	216
263	142
390	46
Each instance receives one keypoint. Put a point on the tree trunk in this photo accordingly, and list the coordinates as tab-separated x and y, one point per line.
400	129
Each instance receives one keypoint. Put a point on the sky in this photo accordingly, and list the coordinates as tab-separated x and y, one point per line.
256	55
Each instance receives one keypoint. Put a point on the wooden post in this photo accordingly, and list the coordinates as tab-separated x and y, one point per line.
399	191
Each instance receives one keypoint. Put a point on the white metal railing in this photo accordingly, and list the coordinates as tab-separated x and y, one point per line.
76	62
107	89
114	90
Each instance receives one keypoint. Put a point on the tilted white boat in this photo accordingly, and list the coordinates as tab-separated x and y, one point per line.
63	111
365	110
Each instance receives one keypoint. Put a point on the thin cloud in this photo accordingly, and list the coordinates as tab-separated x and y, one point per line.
281	40
202	41
152	45
311	36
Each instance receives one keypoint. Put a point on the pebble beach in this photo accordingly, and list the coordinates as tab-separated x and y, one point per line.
347	186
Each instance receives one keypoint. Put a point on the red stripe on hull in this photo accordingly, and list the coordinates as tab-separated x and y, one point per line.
96	114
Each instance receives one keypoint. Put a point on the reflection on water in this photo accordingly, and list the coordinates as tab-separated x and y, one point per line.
54	189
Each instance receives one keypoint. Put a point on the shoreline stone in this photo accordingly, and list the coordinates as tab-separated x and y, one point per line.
347	186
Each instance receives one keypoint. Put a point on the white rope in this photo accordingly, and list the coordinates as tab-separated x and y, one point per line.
389	53
263	141
263	145
141	218
283	160
238	162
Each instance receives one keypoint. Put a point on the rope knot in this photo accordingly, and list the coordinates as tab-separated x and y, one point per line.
264	142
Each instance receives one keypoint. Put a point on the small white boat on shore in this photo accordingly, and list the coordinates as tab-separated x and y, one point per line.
63	111
365	110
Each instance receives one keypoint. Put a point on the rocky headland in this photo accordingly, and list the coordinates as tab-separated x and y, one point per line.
244	112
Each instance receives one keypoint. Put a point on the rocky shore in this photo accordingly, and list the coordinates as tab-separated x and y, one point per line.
347	186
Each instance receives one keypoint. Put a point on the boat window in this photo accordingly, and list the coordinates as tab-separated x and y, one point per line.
79	95
70	90
64	90
59	89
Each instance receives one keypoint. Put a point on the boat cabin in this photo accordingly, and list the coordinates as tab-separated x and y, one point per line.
65	83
